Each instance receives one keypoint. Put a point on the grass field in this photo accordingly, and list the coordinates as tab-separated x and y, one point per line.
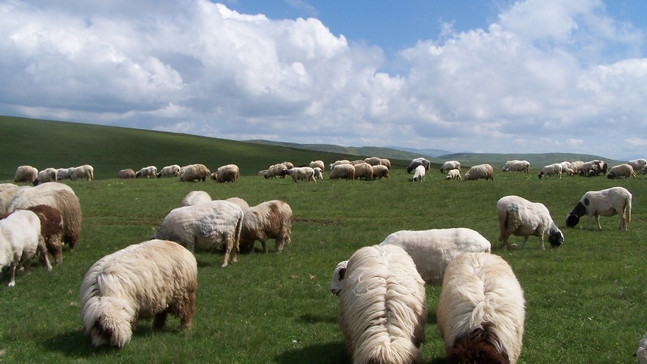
583	300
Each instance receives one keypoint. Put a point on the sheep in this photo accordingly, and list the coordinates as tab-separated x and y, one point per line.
206	226
146	172
85	171
56	195
449	165
63	173
51	229
338	275
194	172
363	170
25	174
516	166
267	220
554	169
275	170
484	171
226	173
195	197
373	161
318	173
638	164
621	170
20	241
338	162
576	166
481	310
382	309
417	162
46	175
419	174
126	173
240	202
641	352
288	165
317	163
385	162
303	173
521	217
345	171
593	168
433	249
149	279
7	191
454	174
381	171
172	170
607	202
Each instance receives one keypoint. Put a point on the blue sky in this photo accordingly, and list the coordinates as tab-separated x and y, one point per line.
531	76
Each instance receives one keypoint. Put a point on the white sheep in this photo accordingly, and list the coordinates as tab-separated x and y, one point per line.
449	165
126	173
345	171
301	173
20	241
481	313
454	174
381	171
46	175
63	173
226	173
641	352
638	164
172	170
554	169
150	279
607	202
373	161
7	191
417	162
621	170
85	171
419	174
205	226
195	197
568	168
484	171
267	220
318	163
593	168
382	308
275	170
25	174
146	172
240	202
192	172
433	249
338	162
318	173
363	170
516	166
521	217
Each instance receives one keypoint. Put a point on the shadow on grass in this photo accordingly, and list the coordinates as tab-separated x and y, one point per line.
333	352
315	318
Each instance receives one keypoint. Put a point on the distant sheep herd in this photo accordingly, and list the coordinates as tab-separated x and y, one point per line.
381	288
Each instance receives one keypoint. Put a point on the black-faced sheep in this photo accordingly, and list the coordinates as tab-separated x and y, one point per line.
621	170
150	279
554	169
607	202
449	165
126	173
342	171
195	197
172	170
521	217
194	172
147	172
58	196
51	229
20	241
481	311
419	174
381	171
211	225
417	162
25	174
301	173
268	220
431	250
484	171
382	308
226	173
46	175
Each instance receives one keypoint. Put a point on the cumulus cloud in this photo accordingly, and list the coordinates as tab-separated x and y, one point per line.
547	76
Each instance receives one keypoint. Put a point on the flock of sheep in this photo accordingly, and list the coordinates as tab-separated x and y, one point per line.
381	288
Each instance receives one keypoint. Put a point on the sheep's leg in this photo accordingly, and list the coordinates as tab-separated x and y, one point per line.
186	310
265	249
279	244
159	320
597	218
42	250
12	280
525	239
227	253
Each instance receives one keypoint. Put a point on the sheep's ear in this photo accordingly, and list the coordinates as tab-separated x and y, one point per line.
586	202
342	273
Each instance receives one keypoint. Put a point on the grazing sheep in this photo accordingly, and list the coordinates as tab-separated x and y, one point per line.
433	249
593	168
338	275
194	172
419	174
317	163
7	191
240	202
146	172
345	171
521	217
56	195
268	220
318	173
195	197
567	168
554	169
516	166
641	352
454	174
303	173
638	164
417	162
63	173
381	171
172	170
373	161
46	175
385	162
126	173
51	229
275	170
621	170
607	202
338	162
149	279
484	171
363	170
226	173
382	309
212	225
20	240
25	174
481	313
449	165
85	171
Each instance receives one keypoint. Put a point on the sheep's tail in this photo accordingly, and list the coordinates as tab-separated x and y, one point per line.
628	208
480	345
390	350
503	224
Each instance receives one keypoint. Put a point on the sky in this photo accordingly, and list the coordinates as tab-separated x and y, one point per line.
499	76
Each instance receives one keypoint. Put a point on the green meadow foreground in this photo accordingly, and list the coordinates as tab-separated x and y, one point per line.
584	300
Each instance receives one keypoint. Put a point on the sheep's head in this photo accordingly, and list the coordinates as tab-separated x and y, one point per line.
337	282
573	217
555	238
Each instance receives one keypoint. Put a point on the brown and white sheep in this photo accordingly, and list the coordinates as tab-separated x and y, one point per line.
226	173
479	171
126	173
51	229
267	220
381	171
194	172
363	170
